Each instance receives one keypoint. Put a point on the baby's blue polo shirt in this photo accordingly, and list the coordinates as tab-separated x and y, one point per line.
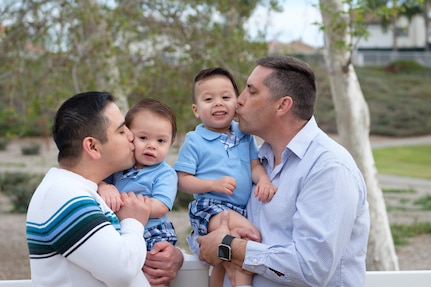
157	181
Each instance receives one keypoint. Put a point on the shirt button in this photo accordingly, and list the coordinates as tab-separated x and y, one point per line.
254	261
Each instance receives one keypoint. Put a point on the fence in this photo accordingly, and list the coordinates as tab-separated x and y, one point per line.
382	58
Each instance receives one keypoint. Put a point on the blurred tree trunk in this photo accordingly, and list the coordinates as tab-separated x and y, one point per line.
394	19
426	14
353	123
99	38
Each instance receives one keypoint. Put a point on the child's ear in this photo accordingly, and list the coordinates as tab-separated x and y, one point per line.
195	110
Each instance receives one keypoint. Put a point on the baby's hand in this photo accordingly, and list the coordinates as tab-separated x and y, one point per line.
265	190
225	184
111	196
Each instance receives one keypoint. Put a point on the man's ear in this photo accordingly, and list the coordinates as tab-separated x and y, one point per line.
91	147
285	104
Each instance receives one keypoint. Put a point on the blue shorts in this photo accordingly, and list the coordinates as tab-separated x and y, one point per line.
162	232
201	210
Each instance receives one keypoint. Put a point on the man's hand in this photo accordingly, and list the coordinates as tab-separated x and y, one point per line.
135	206
209	243
162	263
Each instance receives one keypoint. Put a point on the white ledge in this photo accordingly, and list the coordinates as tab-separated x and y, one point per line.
194	273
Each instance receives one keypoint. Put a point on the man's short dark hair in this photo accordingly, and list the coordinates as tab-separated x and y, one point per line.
292	77
80	116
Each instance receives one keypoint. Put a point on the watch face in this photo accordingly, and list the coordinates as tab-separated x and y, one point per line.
224	252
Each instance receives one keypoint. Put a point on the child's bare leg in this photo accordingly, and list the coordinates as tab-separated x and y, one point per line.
217	276
238	276
236	222
243	278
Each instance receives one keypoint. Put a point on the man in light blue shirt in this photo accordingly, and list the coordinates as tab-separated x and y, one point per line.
315	229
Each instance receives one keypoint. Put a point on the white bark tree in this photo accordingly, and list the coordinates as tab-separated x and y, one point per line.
99	38
353	123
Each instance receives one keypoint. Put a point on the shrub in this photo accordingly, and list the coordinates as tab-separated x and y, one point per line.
32	149
182	201
11	122
401	232
404	66
19	187
4	142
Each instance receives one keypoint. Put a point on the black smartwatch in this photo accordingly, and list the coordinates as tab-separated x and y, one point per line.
224	249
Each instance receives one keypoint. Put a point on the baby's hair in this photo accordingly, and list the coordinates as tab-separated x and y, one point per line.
156	107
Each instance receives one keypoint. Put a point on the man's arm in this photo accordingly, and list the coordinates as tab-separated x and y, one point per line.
106	259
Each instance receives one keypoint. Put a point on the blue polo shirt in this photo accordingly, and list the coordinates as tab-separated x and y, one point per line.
203	155
157	181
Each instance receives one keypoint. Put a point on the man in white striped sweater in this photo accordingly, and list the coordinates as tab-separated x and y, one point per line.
74	238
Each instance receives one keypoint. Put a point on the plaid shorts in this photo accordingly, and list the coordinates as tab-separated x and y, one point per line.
201	210
164	231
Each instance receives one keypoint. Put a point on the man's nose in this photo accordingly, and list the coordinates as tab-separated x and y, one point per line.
239	100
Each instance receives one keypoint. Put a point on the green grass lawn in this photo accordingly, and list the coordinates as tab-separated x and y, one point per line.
411	161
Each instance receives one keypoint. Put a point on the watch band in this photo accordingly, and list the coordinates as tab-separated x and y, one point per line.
227	240
224	251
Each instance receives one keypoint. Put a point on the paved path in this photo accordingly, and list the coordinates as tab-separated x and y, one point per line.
383	142
402	182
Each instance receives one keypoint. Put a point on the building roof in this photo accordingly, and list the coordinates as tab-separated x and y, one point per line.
294	47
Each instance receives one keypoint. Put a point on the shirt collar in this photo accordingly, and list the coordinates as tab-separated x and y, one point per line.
133	172
298	145
210	135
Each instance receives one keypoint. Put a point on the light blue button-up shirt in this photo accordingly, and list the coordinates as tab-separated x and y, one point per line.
315	229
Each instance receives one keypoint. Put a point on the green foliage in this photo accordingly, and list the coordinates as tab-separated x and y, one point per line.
19	187
134	49
399	103
155	48
405	67
401	232
390	190
412	161
182	201
4	142
11	122
32	149
388	10
424	202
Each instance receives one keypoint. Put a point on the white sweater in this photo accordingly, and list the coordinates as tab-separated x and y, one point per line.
74	239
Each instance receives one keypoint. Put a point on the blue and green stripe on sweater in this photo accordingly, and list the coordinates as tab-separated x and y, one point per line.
68	228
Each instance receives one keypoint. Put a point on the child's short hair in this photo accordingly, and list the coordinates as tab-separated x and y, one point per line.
212	72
